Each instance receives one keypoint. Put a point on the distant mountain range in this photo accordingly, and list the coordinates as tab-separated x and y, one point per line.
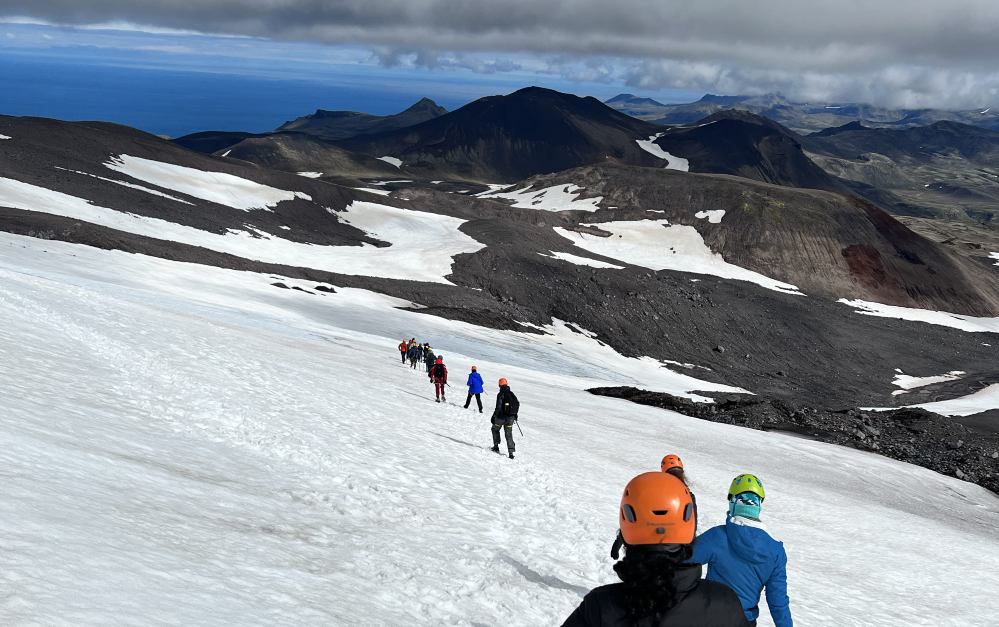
322	124
799	117
344	124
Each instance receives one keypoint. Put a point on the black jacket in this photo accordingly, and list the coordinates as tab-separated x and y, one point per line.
703	604
507	404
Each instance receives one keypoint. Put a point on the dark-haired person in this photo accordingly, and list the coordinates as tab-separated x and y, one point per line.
658	587
743	556
671	465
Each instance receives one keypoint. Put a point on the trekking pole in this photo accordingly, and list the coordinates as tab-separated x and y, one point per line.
517	422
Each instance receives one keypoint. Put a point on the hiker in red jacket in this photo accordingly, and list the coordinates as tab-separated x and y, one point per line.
403	349
438	374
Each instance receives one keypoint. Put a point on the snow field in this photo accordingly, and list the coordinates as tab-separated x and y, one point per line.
672	163
372	190
907	382
554	198
218	187
2	137
310	175
714	216
995	256
392	160
582	261
187	445
129	185
983	400
438	237
970	324
657	245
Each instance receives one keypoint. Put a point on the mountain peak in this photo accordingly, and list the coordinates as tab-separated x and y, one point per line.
428	106
835	130
723	100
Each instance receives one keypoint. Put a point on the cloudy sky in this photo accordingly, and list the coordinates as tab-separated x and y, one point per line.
901	53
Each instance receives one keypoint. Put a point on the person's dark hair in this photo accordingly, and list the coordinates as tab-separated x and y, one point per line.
678	473
647	572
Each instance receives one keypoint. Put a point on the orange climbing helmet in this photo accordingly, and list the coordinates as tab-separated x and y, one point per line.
671	461
657	508
474	368
503	382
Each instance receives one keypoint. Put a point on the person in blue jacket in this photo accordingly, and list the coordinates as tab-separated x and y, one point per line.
474	389
743	556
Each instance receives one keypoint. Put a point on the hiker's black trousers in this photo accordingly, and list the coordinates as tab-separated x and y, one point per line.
506	424
478	399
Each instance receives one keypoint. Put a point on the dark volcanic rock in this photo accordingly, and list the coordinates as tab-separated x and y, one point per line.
508	138
750	146
915	436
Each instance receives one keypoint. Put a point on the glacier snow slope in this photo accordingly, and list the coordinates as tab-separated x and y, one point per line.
188	445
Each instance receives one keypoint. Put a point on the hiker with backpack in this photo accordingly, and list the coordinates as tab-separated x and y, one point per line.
438	375
474	388
403	350
504	417
429	359
414	355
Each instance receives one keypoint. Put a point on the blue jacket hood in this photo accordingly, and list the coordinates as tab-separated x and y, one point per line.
749	543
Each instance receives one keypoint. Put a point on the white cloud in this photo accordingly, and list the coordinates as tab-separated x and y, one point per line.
912	53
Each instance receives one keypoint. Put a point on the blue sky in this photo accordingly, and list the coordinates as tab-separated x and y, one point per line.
173	83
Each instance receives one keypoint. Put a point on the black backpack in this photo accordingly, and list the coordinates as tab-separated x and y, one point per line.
438	372
511	406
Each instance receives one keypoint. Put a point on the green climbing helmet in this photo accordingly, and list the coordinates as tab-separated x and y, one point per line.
746	483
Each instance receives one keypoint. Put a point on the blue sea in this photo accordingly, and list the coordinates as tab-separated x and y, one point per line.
179	84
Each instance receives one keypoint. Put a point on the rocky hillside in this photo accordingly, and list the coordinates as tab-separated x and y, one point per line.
507	138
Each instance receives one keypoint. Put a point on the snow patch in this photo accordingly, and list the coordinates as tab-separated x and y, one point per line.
218	187
423	244
581	261
310	175
907	382
389	182
554	198
714	216
393	160
672	163
129	185
657	245
226	153
994	256
371	190
983	400
970	324
2	137
493	187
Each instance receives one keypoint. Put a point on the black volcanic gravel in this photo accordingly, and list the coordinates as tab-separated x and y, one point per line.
915	436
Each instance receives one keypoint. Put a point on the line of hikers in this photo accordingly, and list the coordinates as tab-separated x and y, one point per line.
505	414
660	573
664	557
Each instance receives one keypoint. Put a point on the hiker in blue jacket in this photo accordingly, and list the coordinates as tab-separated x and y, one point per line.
743	556
474	389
